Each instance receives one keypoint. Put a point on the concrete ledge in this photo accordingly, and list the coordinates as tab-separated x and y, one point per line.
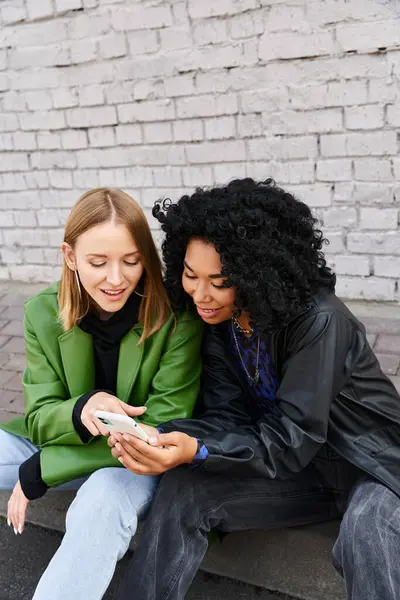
294	561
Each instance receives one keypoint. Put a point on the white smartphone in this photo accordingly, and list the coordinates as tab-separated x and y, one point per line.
121	424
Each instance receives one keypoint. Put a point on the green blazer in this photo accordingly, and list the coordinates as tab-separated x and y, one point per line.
162	373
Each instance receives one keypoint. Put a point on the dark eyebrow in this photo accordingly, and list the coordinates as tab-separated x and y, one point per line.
215	276
105	255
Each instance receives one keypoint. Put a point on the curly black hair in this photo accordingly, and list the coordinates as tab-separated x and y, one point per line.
268	241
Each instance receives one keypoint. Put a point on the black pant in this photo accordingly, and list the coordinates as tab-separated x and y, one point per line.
190	502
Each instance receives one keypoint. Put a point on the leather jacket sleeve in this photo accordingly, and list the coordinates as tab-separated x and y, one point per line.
320	354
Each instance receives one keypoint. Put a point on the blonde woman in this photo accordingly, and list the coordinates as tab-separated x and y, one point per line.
104	337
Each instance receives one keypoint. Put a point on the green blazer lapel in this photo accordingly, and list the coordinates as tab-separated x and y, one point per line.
130	359
77	354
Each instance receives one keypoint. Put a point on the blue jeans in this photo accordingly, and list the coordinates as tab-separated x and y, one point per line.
188	503
99	526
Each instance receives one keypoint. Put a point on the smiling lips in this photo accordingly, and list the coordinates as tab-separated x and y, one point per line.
113	294
207	312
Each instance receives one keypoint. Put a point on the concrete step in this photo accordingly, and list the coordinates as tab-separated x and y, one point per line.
293	561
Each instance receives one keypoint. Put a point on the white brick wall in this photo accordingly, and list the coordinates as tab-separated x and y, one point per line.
160	97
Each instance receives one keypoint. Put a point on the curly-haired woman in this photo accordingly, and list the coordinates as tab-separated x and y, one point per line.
298	422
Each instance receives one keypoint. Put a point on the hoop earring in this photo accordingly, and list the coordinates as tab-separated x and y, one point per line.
78	283
141	295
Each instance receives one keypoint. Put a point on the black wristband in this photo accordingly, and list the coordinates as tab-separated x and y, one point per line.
30	478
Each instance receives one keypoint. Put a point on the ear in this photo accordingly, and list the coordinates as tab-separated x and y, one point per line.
69	256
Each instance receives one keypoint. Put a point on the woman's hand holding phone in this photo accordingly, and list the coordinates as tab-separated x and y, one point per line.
163	452
108	403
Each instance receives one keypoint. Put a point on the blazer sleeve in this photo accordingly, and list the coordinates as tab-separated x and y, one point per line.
48	409
288	437
176	384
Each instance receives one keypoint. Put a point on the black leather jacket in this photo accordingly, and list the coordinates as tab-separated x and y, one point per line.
331	390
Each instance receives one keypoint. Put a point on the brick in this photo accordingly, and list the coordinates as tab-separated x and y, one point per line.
7	219
281	17
53	160
142	155
167	177
197	176
25	218
342	192
213	31
83	180
86	26
379	218
289	172
5	376
38	10
101	137
8	122
57	199
13	161
128	134
39	100
213	56
24	141
32	274
282	148
48	140
83	51
152	110
33	34
273	98
227	151
387	266
12	181
91	95
20	200
203	10
14	344
14	102
224	173
220	128
36	180
112	46
189	130
359	144
175	38
388	344
64	97
352	265
317	195
374	243
369	288
373	169
13	14
120	92
179	85
157	133
55	55
16	362
64	5
134	178
140	17
389	363
34	121
334	170
364	117
6	141
12	328
248	25
249	125
373	194
143	42
148	89
36	79
91	117
15	385
368	36
383	90
371	338
52	218
275	46
393	115
73	140
61	179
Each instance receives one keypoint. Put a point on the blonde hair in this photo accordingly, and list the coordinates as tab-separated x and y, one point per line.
103	205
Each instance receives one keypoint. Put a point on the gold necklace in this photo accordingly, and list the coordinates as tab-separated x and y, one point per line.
256	377
242	329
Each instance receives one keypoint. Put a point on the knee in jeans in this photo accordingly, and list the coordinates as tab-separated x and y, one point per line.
372	510
101	498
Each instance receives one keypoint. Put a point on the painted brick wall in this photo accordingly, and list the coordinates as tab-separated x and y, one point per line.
157	97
